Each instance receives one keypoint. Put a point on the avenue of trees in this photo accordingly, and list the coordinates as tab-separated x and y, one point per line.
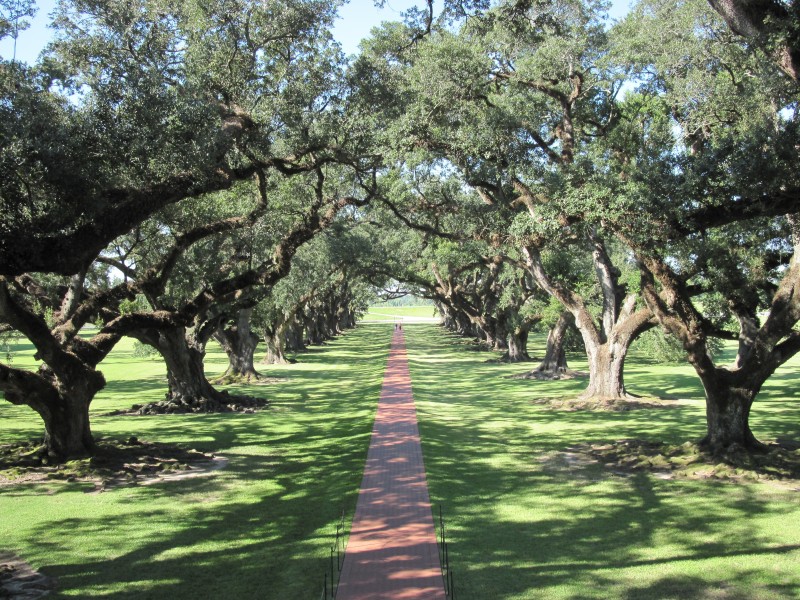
177	172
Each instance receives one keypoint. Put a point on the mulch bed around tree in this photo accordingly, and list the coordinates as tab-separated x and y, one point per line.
115	463
778	462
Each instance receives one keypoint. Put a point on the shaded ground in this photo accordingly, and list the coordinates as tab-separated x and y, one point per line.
227	403
609	404
18	580
116	463
780	462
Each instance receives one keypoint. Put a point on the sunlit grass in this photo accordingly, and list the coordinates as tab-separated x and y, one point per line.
261	528
382	312
521	524
524	525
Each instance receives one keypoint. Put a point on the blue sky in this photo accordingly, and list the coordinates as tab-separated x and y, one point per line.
356	20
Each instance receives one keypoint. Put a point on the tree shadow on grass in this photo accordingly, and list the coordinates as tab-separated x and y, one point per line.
260	528
518	528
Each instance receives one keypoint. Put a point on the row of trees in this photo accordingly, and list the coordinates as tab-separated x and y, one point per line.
166	163
163	165
623	178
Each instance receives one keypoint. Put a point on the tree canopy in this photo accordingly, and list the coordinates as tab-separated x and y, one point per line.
184	171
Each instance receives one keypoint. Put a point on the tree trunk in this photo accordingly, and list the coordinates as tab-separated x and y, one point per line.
727	419
315	328
554	364
517	342
294	337
606	364
275	338
62	403
239	343
189	390
729	397
68	434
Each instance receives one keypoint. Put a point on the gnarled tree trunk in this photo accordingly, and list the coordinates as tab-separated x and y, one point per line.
517	344
294	336
189	389
275	339
239	344
606	364
554	364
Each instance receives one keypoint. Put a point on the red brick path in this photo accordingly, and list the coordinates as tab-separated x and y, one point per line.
392	552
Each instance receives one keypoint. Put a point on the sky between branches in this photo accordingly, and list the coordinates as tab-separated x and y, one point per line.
355	21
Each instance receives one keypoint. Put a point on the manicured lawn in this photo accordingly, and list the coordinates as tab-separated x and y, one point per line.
523	522
261	528
526	523
382	312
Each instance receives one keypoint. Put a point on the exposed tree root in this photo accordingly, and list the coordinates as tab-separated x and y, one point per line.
232	378
18	580
114	463
550	375
605	404
778	461
222	403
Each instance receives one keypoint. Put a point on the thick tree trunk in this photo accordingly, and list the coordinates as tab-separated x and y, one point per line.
275	340
294	337
606	364
239	343
68	434
517	343
554	364
189	390
63	405
316	332
728	420
729	397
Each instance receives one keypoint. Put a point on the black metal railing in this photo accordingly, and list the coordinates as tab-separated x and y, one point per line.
444	559
333	574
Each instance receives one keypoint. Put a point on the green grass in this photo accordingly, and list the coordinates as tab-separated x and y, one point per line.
261	528
522	526
382	312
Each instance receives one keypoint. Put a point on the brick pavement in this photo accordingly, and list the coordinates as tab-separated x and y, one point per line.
392	552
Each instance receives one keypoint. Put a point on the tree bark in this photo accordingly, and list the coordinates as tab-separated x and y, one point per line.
239	343
68	434
517	343
554	364
275	339
189	389
294	336
728	416
607	345
606	364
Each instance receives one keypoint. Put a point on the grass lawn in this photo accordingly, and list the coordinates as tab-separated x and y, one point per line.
383	312
525	523
522	521
261	528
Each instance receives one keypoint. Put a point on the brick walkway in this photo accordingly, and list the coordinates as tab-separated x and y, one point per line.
392	552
